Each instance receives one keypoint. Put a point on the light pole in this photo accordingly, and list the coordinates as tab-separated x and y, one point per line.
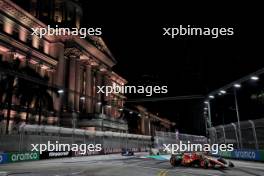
74	120
237	114
61	100
209	114
102	118
102	113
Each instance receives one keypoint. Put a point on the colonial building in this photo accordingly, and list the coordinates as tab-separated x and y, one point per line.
150	123
75	66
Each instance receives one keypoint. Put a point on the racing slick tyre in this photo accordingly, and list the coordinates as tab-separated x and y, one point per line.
205	163
230	164
174	161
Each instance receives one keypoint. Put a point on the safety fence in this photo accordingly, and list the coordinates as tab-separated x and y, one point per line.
251	138
175	138
111	142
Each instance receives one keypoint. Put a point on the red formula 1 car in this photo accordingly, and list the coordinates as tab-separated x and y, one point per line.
198	160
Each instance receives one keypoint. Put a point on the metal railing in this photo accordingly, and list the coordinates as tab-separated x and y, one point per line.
34	134
175	138
252	134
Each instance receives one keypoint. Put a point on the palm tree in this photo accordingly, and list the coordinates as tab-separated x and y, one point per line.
30	92
8	86
27	88
43	99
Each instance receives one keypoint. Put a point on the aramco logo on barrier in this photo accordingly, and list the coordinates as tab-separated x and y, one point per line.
246	154
23	156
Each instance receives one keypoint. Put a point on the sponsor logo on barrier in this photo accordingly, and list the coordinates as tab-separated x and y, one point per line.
255	155
55	154
246	154
225	154
80	153
23	156
3	158
58	154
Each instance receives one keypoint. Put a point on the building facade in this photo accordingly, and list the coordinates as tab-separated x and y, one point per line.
74	66
150	123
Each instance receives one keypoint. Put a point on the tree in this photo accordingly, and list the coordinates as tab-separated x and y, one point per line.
34	90
8	86
38	94
258	96
43	99
26	89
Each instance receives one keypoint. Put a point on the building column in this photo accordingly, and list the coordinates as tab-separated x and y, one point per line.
56	50
72	83
82	88
98	96
88	89
77	85
142	124
107	82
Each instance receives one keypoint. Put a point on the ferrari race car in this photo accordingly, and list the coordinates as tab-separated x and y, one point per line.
198	160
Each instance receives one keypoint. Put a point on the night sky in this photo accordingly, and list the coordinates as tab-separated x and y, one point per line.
187	65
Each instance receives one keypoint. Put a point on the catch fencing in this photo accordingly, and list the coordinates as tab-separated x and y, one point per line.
252	134
175	138
112	142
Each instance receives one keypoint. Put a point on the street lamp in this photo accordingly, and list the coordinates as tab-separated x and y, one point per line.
222	91
254	78
61	91
211	97
237	85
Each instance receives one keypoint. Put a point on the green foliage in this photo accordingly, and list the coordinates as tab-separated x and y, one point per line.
258	97
30	87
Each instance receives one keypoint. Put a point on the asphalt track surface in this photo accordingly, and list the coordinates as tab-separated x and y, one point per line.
116	165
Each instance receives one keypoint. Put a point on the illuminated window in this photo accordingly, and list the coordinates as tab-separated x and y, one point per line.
35	41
